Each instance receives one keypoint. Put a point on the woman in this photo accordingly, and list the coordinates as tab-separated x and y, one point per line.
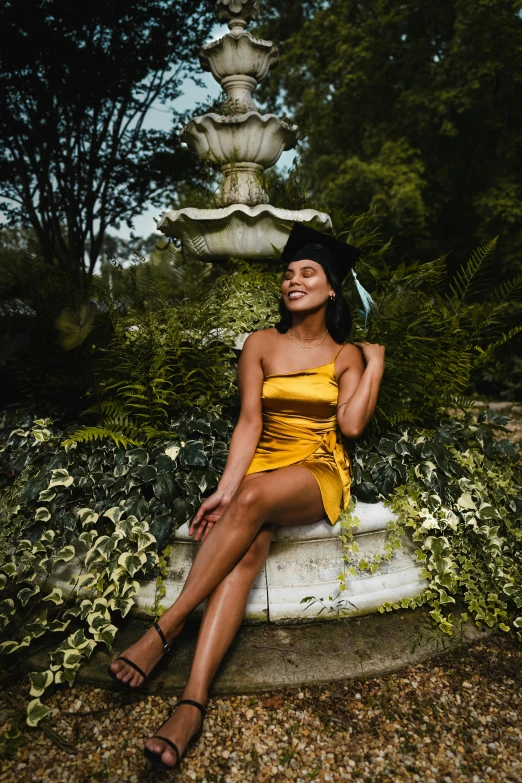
299	382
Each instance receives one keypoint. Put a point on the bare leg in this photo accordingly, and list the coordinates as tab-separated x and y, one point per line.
224	613
288	496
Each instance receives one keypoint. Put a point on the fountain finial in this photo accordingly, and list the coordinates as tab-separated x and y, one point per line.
237	13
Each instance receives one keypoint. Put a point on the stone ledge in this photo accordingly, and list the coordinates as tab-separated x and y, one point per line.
266	657
373	517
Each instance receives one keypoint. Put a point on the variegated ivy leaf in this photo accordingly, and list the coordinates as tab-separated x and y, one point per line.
55	596
3	581
43	422
27	593
113	513
132	562
129	588
38	548
40	681
41	435
87	581
36	711
70	445
39	627
100	604
172	451
107	635
24	545
77	640
73	611
72	658
87	516
7	606
12	646
22	433
59	625
92	556
126	526
97	621
60	478
9	569
69	674
111	587
466	501
86	607
48	536
66	554
105	545
145	540
87	537
46	495
123	605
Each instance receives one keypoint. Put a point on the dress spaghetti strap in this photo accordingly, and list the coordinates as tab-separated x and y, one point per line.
338	352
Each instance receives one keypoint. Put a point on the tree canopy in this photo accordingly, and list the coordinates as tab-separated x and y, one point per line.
78	80
413	107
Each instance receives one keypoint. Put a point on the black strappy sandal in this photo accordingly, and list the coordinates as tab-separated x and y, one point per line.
166	649
155	758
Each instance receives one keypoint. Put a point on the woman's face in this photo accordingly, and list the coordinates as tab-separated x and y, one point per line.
305	286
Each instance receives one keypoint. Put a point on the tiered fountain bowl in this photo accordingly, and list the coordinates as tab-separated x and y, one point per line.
243	143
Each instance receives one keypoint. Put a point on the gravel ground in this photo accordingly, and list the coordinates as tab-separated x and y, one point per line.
453	719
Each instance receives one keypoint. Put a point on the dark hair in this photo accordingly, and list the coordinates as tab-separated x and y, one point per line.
338	314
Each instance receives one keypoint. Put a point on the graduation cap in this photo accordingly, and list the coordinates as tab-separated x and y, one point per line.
308	243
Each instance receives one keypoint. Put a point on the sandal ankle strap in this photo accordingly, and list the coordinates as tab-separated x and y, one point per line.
193	703
166	646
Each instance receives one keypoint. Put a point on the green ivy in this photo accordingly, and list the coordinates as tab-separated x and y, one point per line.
106	510
460	490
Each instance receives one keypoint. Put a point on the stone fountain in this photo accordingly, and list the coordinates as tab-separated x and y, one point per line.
243	143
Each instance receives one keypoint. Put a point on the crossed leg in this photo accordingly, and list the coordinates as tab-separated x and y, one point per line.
224	570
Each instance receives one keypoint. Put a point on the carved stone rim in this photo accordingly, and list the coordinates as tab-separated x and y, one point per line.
211	215
246	34
240	119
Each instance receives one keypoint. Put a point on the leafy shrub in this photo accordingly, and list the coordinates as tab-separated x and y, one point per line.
166	357
103	508
460	490
435	337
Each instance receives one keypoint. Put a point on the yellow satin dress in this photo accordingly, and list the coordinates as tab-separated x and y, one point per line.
300	428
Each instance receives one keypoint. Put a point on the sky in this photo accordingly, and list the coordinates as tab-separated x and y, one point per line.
160	118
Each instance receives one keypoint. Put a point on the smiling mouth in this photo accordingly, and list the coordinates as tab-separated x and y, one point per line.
296	294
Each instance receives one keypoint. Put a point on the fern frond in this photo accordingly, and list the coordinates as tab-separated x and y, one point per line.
464	276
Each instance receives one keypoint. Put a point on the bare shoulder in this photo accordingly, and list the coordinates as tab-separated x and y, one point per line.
349	357
258	342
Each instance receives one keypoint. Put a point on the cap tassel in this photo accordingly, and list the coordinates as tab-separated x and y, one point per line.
368	303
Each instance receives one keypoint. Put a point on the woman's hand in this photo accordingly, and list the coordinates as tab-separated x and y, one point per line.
373	352
210	511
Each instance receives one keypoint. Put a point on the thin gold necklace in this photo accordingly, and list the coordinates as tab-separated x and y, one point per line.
321	338
307	338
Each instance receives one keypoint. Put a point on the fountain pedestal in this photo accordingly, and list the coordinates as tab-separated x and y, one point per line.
243	143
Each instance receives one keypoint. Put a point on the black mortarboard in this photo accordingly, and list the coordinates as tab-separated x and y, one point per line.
305	242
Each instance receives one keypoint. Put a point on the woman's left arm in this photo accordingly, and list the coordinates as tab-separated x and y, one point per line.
358	390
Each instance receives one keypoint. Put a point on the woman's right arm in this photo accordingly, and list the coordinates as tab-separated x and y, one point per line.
244	438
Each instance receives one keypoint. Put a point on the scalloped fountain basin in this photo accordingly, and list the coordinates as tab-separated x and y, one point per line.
251	137
238	230
241	54
303	562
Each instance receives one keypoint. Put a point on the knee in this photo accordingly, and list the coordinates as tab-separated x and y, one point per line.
249	502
